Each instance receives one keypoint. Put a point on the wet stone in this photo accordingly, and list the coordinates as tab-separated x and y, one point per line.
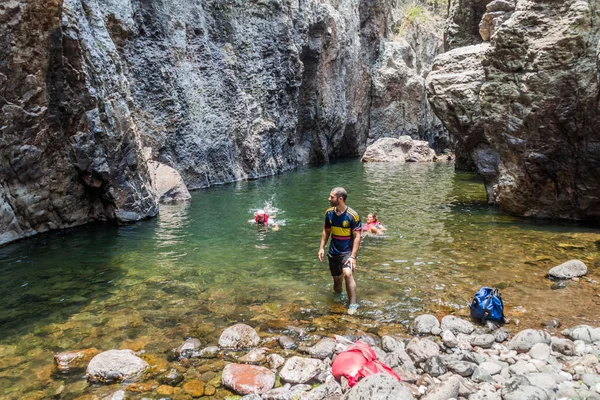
254	356
164	390
171	378
189	348
287	343
209	390
68	360
194	388
551	323
569	269
209	352
142	387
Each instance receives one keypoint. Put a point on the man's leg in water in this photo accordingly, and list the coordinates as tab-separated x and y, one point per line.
337	283
350	285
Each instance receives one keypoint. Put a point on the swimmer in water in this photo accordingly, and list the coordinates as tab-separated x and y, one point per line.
261	218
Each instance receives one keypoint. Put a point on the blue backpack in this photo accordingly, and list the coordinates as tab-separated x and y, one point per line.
487	304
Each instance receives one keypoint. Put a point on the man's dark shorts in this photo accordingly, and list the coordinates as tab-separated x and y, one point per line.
336	263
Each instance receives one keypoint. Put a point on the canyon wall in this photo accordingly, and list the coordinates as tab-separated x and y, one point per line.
69	149
526	106
91	91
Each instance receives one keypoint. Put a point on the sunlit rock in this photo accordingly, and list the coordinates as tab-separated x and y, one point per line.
168	183
300	369
569	269
399	100
524	340
424	324
583	332
247	379
462	25
239	336
400	150
254	356
457	325
536	97
444	390
379	386
422	349
324	348
115	365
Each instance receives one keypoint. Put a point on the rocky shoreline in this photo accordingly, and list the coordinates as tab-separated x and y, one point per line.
448	359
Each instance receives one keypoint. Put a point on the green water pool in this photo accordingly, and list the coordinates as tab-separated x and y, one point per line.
200	267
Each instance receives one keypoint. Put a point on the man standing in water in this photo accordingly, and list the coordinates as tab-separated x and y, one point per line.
343	225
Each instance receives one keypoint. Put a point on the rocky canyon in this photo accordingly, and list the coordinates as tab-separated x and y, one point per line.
99	97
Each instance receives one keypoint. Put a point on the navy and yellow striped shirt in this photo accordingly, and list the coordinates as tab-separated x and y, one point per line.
343	228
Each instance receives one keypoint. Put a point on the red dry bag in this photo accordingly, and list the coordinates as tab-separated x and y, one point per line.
358	361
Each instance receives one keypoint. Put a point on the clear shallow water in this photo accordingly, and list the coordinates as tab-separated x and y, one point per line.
200	267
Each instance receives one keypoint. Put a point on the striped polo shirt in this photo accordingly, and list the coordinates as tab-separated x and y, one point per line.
342	228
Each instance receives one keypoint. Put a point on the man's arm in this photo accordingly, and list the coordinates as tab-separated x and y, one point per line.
356	243
324	238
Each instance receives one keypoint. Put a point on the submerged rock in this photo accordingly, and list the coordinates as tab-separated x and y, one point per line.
69	360
188	349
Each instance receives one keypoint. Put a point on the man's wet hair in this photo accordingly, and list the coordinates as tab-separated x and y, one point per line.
340	192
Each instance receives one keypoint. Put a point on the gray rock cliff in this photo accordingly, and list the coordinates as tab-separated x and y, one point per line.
69	149
219	91
529	103
399	96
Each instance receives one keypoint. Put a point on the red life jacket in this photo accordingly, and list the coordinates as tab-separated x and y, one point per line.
358	361
266	220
